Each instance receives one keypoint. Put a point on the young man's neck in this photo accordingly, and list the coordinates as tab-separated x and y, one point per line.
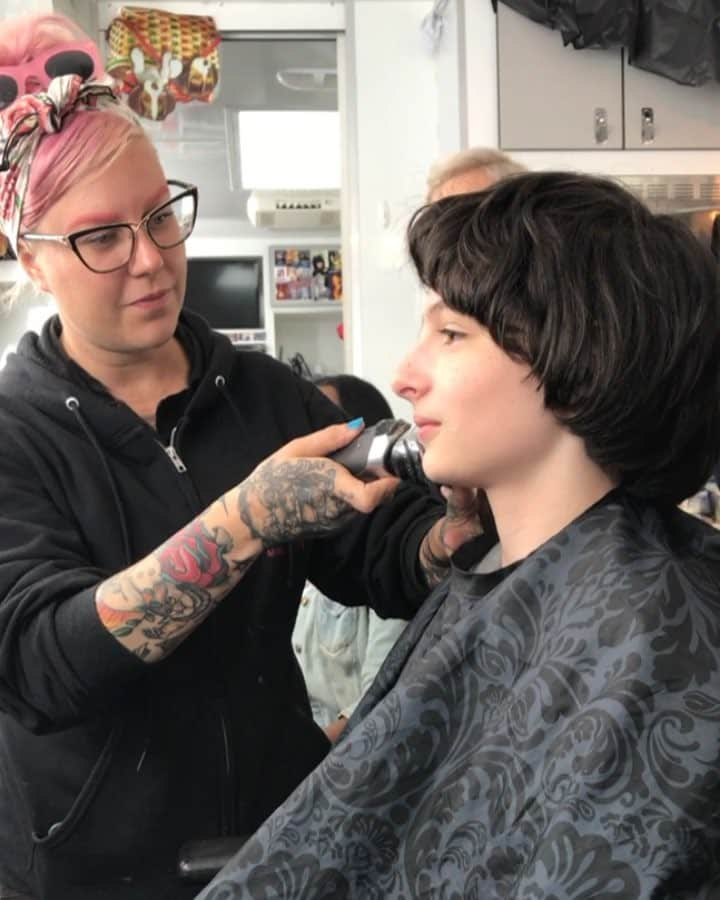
532	510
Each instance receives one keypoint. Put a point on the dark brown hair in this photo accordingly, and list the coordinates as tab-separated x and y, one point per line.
615	310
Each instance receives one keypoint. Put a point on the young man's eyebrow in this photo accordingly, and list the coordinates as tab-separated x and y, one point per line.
433	308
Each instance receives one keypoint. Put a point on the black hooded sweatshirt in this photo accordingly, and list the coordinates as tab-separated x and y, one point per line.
108	764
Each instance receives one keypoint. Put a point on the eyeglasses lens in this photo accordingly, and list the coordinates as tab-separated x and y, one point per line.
70	62
172	223
105	249
8	90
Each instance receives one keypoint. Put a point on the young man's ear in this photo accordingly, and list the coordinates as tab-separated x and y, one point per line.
29	262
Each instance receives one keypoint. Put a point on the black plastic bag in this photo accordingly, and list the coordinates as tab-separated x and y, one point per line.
585	23
679	39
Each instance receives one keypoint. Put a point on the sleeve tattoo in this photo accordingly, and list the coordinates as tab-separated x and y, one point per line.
281	501
154	605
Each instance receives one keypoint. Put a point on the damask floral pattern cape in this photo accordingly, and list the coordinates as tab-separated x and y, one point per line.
551	730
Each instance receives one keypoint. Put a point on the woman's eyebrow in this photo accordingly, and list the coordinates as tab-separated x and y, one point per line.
100	219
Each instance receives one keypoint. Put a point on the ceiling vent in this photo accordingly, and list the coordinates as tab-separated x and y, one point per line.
295	210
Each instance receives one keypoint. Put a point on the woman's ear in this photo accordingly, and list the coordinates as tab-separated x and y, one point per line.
28	260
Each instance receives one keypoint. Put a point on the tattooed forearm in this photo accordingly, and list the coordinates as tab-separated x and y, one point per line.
154	605
281	501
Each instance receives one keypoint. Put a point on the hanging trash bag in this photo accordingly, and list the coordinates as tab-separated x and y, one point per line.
599	24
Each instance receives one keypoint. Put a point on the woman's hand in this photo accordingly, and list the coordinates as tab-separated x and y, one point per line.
298	492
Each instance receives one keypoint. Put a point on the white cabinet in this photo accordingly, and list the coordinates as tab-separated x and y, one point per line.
663	115
554	97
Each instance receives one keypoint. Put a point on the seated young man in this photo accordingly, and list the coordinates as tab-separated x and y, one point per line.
549	723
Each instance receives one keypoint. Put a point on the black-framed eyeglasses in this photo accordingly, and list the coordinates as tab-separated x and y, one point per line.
106	248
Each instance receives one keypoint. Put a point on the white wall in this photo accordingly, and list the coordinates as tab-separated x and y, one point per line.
394	85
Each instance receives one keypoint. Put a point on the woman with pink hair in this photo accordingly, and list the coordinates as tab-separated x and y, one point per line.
162	500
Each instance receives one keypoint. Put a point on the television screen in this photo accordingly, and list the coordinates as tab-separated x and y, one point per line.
226	292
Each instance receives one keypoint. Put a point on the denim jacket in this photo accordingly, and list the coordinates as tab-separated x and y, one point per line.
340	650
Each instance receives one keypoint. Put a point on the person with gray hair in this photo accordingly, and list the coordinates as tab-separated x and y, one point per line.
467	171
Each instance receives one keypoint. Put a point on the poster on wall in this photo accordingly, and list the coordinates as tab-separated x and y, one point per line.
306	275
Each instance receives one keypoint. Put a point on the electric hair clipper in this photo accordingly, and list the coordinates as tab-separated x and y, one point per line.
390	447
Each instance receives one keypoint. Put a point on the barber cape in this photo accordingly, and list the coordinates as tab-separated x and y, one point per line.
551	729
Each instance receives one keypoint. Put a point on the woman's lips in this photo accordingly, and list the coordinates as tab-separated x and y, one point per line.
153	299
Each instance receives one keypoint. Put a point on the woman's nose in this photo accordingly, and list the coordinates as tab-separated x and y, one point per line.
147	256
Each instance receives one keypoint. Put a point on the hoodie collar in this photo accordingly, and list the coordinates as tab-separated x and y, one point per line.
42	374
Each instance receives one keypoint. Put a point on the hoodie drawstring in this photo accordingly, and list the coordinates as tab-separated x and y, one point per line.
221	385
73	404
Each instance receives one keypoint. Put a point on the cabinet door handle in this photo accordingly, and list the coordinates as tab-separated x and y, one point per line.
601	125
647	125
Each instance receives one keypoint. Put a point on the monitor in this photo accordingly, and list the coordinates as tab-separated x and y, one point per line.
226	291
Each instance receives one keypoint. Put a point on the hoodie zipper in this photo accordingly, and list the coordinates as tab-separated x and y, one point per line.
173	454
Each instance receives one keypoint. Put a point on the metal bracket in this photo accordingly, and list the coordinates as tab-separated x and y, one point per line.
647	125
601	125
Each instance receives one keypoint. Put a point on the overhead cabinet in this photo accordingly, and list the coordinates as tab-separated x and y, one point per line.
662	115
554	97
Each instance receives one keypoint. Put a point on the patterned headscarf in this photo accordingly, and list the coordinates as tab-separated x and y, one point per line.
23	125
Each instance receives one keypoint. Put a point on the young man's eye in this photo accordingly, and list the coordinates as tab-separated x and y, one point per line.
450	335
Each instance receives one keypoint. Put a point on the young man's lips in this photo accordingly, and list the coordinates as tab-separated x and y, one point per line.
421	423
425	427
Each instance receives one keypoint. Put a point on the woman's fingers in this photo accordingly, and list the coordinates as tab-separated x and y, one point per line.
362	496
365	496
320	443
462	518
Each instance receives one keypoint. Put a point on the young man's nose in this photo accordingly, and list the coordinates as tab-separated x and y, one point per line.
406	382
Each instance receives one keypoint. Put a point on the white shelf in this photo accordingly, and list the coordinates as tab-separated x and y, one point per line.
302	309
